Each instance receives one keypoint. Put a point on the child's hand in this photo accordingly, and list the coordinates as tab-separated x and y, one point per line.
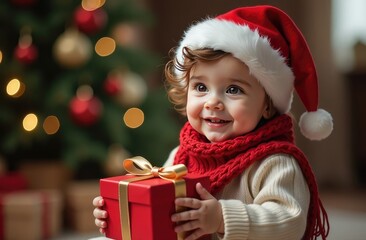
203	217
100	214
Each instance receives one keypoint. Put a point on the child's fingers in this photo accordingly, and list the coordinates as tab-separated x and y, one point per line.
188	202
195	234
188	226
99	213
100	223
98	201
185	216
204	194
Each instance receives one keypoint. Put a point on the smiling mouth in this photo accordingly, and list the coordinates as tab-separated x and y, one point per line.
215	120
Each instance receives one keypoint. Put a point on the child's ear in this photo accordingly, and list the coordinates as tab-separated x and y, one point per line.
269	109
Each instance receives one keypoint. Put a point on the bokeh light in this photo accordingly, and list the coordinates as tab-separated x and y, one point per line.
1	56
84	92
51	125
91	5
15	88
30	122
134	117
105	46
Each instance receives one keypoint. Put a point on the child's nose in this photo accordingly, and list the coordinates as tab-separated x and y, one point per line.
214	103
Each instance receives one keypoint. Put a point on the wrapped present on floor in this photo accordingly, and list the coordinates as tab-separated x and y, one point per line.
79	198
12	182
50	174
30	215
140	205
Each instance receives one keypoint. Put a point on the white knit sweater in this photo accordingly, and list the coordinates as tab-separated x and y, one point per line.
269	200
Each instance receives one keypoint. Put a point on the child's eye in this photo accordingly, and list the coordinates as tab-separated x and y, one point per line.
200	87
234	90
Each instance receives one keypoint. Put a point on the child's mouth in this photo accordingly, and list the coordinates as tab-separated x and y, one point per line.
216	121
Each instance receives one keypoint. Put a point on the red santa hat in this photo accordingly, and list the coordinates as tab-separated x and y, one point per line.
271	45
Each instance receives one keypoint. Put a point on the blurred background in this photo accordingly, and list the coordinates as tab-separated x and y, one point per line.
81	89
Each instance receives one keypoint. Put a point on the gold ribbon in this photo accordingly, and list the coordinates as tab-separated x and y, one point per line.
139	166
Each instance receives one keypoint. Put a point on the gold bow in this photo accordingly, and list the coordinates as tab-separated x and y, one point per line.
141	167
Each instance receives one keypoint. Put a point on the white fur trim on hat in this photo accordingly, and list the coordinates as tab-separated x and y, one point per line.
264	63
316	125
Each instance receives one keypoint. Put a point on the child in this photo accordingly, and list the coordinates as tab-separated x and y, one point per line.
233	77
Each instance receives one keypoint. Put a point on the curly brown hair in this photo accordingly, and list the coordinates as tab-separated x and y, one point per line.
177	76
177	84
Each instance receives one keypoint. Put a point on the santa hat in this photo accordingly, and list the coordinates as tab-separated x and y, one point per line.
270	44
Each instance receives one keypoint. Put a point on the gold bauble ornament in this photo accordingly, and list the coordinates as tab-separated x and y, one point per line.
72	49
134	89
128	35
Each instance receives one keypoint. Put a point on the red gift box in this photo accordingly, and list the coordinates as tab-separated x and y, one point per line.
151	204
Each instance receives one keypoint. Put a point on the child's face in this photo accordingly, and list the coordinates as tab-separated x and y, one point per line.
224	100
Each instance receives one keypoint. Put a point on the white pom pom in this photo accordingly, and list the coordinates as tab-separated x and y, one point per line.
316	125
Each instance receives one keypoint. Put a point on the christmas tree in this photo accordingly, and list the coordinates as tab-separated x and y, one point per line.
75	83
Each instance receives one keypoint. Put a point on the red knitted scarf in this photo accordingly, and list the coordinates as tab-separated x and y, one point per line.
223	161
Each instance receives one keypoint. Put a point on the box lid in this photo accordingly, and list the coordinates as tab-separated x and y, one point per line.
155	190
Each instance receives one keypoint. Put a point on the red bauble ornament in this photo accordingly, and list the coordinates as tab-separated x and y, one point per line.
90	22
26	54
85	112
112	85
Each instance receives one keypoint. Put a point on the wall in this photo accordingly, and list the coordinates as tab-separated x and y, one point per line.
331	158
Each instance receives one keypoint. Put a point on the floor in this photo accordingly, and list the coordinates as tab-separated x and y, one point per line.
346	225
347	214
346	211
